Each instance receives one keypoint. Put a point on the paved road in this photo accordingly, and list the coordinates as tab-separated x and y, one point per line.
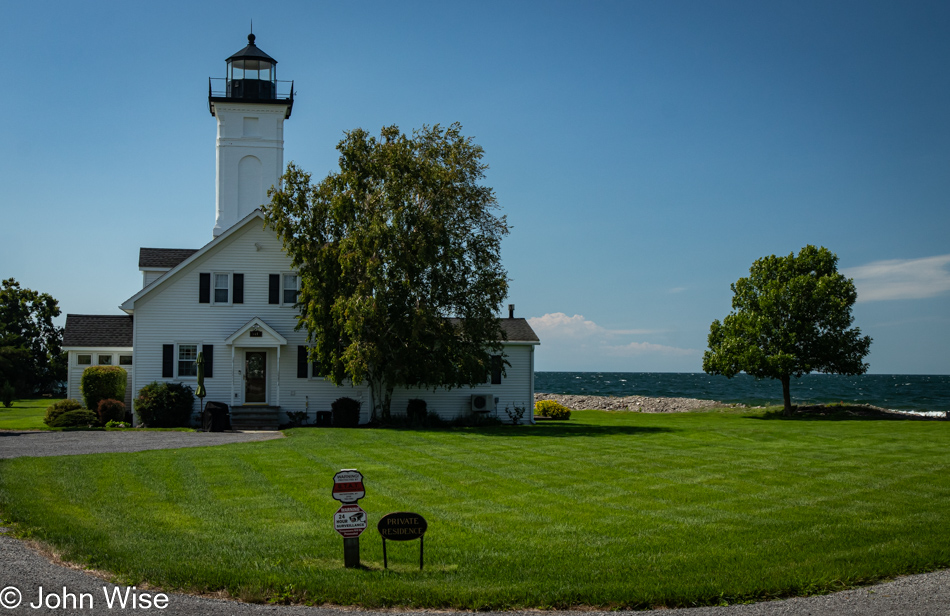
23	571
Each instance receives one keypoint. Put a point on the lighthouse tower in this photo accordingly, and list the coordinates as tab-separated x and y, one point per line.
250	147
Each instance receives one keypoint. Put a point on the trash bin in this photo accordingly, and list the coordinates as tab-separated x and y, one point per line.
216	417
324	419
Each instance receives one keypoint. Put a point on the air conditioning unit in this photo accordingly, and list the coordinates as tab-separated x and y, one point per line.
483	403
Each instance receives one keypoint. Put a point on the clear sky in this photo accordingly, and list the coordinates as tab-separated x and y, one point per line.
645	153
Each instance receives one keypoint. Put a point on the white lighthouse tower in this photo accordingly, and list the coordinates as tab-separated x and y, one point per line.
250	146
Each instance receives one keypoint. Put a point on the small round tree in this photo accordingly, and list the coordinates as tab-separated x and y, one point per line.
102	383
790	317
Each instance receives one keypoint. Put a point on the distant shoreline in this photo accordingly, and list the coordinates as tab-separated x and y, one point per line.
641	404
646	404
899	392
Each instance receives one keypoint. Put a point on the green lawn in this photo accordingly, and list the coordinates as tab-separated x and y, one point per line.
25	414
608	509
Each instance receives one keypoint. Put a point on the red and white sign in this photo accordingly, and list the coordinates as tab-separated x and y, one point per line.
348	486
349	521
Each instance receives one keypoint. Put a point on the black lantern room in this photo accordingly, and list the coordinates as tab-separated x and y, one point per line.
251	78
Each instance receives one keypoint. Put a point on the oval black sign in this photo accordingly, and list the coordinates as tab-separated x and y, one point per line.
402	526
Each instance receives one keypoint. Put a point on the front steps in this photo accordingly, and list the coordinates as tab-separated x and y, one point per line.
254	417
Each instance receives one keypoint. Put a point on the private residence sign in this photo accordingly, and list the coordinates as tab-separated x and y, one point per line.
402	526
348	486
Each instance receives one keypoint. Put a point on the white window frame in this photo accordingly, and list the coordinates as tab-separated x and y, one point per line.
179	360
123	356
101	356
79	357
283	288
214	288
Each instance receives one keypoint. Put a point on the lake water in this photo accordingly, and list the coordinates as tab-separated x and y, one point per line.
892	391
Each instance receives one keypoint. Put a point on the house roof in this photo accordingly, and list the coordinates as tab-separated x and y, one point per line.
164	257
98	330
518	330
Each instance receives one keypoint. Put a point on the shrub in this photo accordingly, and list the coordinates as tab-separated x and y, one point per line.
6	394
346	413
516	414
117	424
551	410
102	382
416	411
110	410
63	406
165	405
79	418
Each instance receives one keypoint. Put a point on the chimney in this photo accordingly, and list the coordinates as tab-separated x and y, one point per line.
511	311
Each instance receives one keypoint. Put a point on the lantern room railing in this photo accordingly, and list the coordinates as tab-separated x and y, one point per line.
250	89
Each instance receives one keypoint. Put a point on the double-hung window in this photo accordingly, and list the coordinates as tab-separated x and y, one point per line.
291	288
222	286
187	360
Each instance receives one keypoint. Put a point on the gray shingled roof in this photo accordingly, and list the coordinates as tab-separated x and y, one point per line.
164	257
98	330
518	330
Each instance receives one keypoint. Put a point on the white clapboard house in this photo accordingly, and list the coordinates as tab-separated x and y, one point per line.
234	298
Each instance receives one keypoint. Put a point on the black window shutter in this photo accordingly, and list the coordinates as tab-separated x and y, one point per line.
208	350
237	296
301	362
273	289
314	372
168	361
204	288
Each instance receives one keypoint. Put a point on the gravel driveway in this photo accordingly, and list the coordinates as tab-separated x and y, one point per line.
23	571
15	444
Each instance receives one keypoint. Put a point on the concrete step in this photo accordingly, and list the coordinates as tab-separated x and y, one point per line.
254	417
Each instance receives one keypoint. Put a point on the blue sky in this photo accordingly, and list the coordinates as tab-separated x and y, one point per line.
645	153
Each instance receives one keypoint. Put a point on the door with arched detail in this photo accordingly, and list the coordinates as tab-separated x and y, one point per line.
255	377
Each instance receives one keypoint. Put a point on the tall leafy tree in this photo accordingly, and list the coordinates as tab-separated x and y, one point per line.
790	317
399	259
31	355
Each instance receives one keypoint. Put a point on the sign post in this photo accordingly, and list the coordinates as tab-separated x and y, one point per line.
350	519
402	526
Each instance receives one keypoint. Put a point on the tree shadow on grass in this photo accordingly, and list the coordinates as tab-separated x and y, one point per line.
842	412
560	429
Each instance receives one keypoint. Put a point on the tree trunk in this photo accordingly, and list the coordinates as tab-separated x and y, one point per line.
786	396
381	397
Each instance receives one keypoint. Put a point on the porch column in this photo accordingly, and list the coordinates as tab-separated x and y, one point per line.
231	402
277	397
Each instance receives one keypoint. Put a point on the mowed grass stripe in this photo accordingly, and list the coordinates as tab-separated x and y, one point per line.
611	509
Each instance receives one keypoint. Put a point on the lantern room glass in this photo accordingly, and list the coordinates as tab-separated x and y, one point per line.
250	78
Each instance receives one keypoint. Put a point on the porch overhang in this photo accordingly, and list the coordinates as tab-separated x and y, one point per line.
256	333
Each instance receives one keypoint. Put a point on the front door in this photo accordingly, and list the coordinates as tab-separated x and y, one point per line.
255	377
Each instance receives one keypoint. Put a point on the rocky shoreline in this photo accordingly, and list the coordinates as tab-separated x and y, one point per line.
641	404
644	404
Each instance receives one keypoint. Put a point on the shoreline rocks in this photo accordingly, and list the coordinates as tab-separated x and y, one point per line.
642	404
